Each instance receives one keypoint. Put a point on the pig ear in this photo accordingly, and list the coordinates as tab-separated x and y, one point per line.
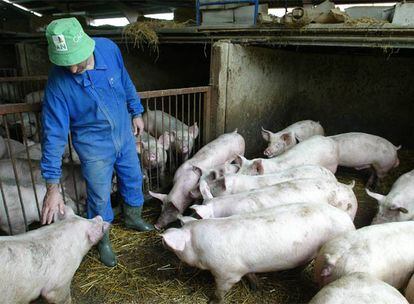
204	211
160	196
185	219
379	197
96	231
266	134
288	138
171	136
195	193
205	190
164	141
258	166
193	130
396	208
176	238
198	171
239	160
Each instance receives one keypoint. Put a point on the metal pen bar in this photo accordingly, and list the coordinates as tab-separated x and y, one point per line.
30	165
149	151
15	171
6	209
200	109
172	92
189	123
156	144
72	169
15	108
195	120
146	186
164	161
176	130
182	126
169	136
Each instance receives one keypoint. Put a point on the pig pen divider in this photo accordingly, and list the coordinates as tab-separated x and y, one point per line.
189	105
18	89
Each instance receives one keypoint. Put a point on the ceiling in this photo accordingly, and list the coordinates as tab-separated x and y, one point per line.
118	8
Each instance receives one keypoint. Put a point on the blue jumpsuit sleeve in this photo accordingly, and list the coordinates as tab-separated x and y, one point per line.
55	129
135	107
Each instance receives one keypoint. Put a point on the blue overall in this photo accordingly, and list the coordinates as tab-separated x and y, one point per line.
96	106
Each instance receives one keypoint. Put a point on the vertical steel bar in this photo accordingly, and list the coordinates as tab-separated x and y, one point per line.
30	164
6	209
143	170
156	145
189	124
164	161
170	157
207	116
182	125
176	131
14	170
72	169
149	151
200	109
194	121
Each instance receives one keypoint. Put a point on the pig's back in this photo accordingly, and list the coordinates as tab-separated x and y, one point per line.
223	148
305	129
317	150
404	182
158	122
363	149
289	235
358	288
376	249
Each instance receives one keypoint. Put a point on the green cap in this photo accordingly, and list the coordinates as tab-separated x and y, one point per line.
68	43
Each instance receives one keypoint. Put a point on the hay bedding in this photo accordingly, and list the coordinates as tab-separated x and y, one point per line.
147	273
143	33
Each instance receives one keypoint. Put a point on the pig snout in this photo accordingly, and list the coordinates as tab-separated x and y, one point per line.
272	151
185	150
268	152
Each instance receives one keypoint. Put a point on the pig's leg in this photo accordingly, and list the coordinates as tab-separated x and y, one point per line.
372	182
253	281
59	295
163	177
224	282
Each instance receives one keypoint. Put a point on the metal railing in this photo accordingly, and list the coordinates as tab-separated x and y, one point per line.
22	89
8	72
20	127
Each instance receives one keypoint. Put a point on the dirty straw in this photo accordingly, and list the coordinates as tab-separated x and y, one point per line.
148	273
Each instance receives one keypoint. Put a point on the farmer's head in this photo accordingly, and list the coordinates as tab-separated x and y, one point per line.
69	45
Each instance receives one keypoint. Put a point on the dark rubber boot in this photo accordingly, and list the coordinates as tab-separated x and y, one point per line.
133	219
107	255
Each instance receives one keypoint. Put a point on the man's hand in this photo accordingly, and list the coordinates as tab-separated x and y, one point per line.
138	124
52	203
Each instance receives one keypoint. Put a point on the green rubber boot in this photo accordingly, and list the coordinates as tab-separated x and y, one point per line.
106	253
133	219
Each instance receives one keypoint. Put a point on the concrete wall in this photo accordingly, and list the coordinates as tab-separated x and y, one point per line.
175	66
345	92
8	57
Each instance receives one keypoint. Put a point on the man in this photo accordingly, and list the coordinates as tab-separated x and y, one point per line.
90	94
